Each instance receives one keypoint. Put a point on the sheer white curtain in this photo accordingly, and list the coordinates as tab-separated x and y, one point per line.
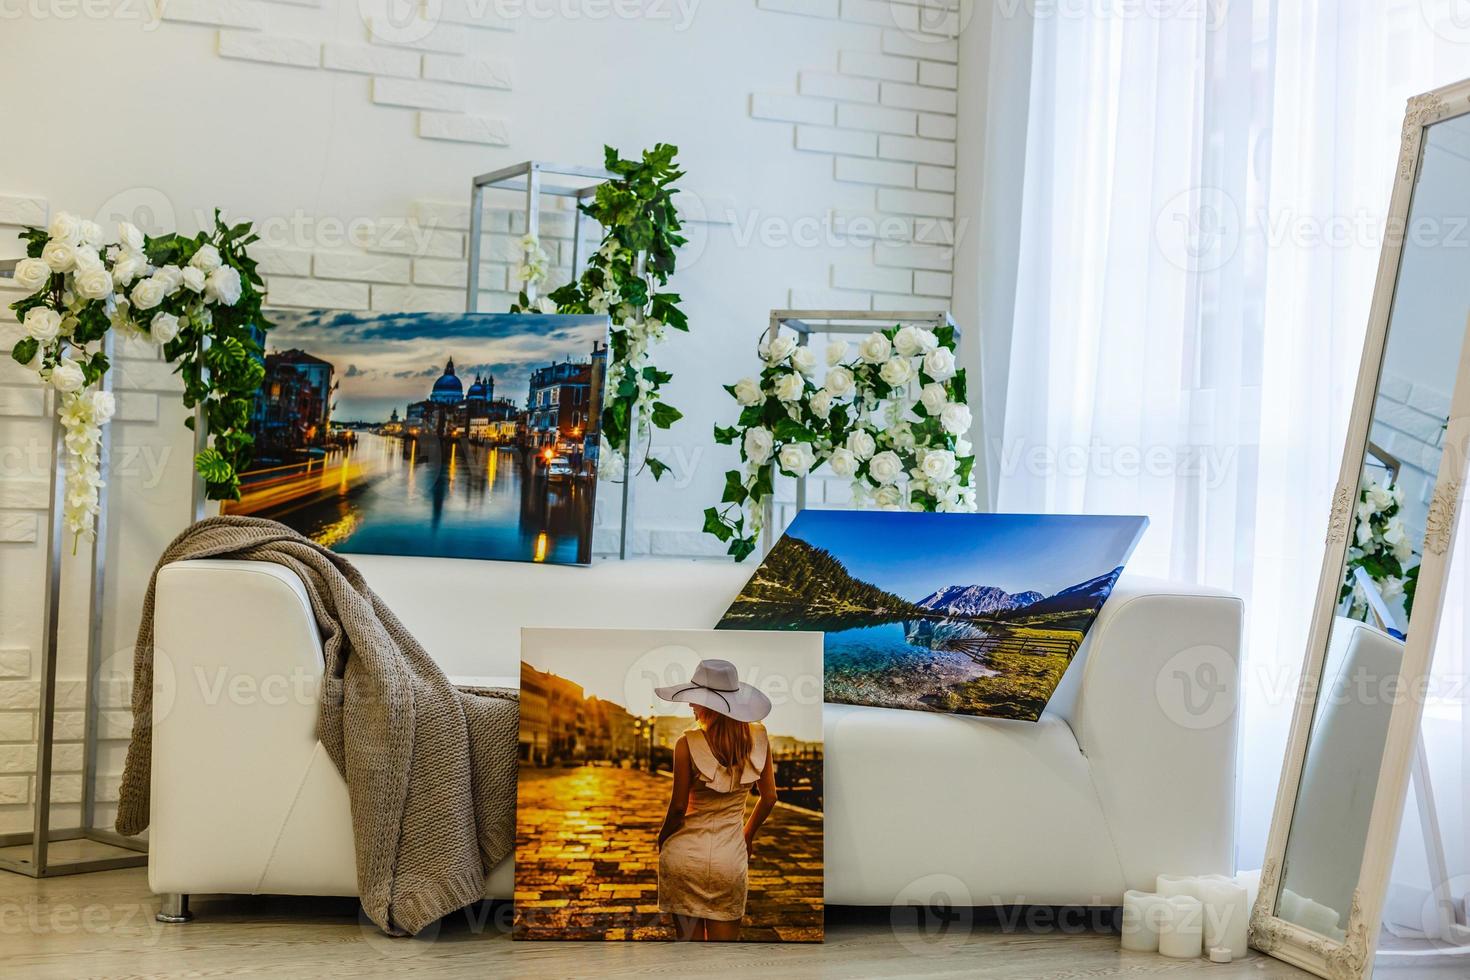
1205	189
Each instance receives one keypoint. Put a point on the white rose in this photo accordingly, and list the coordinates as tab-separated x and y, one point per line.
939	364
758	445
804	359
842	462
206	260
836	352
149	293
91	233
790	387
779	349
885	468
1364	532
43	324
934	398
839	382
955	418
103	405
87	258
164	327
860	443
129	236
193	280
171	276
223	286
875	348
60	256
93	283
962	446
822	403
67	376
888	497
912	341
897	371
32	274
65	227
797	458
939	465
748	391
129	266
902	436
1394	532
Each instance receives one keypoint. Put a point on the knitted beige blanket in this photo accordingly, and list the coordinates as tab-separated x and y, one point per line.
430	769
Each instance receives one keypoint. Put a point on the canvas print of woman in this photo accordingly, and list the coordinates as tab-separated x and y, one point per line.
706	841
670	786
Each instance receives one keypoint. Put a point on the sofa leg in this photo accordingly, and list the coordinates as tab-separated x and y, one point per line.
175	909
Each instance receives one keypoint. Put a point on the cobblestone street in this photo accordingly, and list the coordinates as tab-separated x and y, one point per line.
587	864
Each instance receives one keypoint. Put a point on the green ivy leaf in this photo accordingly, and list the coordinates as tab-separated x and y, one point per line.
25	350
658	467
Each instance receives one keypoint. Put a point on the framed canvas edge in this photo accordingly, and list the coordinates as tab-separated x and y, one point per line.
1269	933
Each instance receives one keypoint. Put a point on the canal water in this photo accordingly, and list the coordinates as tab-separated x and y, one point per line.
398	496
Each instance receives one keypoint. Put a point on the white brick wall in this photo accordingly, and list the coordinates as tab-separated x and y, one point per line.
1408	422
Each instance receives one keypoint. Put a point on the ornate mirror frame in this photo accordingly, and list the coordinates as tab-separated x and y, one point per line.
1269	933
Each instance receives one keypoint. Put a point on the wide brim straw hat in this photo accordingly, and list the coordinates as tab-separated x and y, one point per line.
717	686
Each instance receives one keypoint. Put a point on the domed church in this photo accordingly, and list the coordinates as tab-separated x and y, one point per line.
447	390
450	408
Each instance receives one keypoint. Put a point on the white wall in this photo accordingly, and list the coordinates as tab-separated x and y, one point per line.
808	127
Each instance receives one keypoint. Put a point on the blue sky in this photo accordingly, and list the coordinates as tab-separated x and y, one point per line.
914	555
386	360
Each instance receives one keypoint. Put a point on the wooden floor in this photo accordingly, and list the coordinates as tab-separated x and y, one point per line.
101	925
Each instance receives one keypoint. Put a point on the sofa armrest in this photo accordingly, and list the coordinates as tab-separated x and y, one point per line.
238	666
1154	707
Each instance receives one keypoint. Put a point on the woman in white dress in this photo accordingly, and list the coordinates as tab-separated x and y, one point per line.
706	841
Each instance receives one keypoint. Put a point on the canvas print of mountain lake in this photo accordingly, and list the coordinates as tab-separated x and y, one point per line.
975	614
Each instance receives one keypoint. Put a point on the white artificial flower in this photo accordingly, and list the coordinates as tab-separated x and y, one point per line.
103	405
790	386
206	260
902	437
223	286
127	267
65	227
1394	532
836	352
32	274
962	446
955	419
748	392
92	233
860	443
130	237
150	292
875	348
821	403
797	458
839	382
842	462
897	371
939	364
779	349
912	341
93	283
1379	498
934	398
61	256
67	376
171	276
1364	533
43	324
804	359
758	444
888	497
939	465
164	327
193	280
1403	550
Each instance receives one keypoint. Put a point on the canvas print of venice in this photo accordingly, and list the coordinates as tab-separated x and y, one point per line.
447	435
974	614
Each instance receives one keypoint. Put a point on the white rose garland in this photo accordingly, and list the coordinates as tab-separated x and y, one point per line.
890	416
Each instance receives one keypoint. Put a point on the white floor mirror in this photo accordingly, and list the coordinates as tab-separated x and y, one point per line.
1356	725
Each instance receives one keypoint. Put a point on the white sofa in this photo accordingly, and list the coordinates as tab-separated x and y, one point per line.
1121	779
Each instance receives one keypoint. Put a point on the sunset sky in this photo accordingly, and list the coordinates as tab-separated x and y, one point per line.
385	361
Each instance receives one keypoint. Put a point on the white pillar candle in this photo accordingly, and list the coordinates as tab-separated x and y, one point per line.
1142	915
1181	933
1226	913
1170	885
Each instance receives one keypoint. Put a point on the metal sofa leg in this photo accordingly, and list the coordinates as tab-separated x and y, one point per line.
175	909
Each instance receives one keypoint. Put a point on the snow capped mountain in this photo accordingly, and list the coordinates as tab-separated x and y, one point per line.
977	600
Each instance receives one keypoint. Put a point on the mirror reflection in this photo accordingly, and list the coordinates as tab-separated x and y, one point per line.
1356	691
